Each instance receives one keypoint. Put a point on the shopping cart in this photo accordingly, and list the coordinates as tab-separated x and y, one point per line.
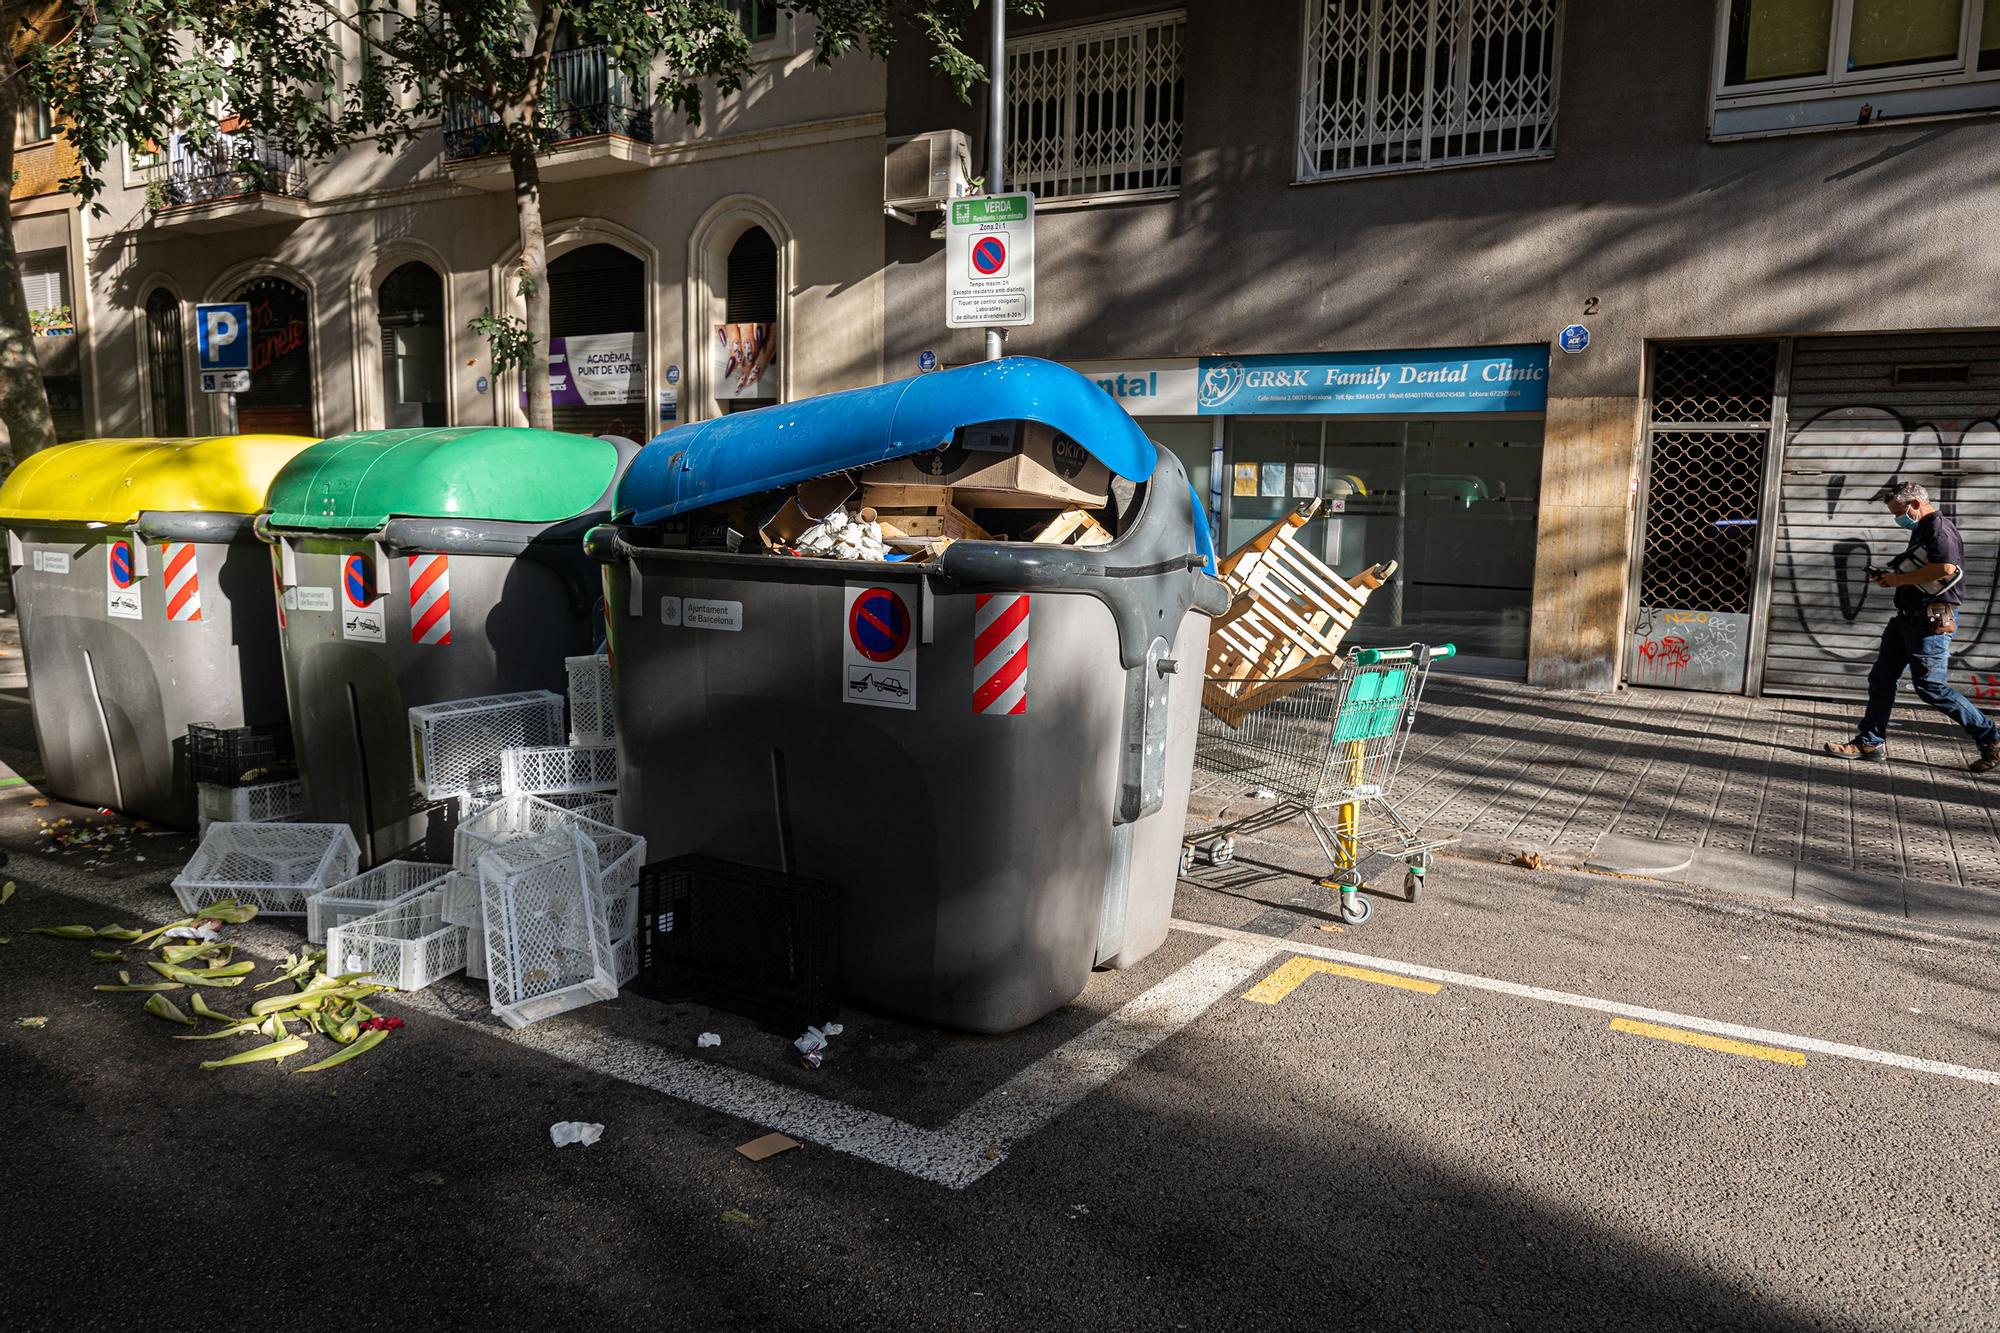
1327	750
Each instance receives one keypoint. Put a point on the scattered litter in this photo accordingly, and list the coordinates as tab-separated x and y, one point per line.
1334	930
708	1039
737	1217
1916	1011
38	1021
39	801
770	1145
381	1023
833	1029
206	932
6	891
1079	1209
107	955
565	1132
1263	794
1528	860
812	1047
426	1177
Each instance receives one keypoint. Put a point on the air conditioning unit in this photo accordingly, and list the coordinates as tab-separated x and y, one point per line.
925	171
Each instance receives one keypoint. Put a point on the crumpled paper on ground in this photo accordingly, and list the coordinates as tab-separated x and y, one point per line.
565	1132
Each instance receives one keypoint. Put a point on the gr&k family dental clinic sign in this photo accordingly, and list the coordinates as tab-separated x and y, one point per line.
1421	383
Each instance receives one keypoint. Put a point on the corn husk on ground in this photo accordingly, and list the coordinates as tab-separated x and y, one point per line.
282	1024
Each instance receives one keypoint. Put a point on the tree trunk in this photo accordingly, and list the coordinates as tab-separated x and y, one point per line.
24	399
535	269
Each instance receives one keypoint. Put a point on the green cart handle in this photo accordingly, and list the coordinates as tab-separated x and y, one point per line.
1377	656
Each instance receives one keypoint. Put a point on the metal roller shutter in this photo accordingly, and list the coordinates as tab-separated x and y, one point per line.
1862	415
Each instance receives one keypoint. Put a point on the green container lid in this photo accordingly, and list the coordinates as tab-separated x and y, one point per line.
504	473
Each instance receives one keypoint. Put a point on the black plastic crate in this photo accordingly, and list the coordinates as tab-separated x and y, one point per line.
741	939
240	756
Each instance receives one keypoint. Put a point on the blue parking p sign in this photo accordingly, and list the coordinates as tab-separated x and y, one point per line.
222	336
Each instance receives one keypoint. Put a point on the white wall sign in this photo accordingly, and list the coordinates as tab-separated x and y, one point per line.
1166	388
989	260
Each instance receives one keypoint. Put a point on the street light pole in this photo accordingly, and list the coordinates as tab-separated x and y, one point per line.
996	137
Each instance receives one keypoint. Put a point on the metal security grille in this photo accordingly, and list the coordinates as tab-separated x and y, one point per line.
1407	84
1862	415
1097	110
1709	428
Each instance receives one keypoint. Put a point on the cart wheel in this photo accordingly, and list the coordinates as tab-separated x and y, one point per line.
1413	884
1187	858
1220	852
1355	909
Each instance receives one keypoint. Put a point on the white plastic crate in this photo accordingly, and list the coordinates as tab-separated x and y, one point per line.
475	945
407	946
370	891
548	948
262	803
515	819
545	770
512	819
273	867
627	953
461	897
455	746
590	716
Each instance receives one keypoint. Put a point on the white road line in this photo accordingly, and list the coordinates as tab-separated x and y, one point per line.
1546	996
1086	1062
955	1155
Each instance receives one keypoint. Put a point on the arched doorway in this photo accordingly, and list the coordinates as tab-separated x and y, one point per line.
746	342
166	378
280	398
409	307
597	341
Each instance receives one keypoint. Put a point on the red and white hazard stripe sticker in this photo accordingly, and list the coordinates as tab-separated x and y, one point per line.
1000	653
430	599
183	581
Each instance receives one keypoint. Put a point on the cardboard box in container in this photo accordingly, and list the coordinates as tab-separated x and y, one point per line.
1003	465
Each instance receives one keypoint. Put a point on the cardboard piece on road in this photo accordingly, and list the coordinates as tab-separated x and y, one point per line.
768	1146
1003	465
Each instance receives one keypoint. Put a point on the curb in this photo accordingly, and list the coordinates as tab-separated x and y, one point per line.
1803	884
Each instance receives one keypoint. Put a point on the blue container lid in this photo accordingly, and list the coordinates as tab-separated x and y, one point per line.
707	462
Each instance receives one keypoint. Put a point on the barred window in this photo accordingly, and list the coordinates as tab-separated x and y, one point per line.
1400	85
1097	110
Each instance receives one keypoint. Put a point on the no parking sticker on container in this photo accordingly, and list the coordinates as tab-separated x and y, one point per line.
878	649
360	609
121	589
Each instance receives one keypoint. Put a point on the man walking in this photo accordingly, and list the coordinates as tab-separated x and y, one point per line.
1928	578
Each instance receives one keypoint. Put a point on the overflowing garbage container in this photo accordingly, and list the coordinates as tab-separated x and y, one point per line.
145	605
938	643
419	567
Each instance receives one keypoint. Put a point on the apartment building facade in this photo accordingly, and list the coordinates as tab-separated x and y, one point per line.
672	248
48	238
1610	321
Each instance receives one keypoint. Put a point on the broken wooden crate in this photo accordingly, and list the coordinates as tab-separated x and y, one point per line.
1286	622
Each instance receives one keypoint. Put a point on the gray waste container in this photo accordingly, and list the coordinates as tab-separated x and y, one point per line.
420	566
989	754
145	605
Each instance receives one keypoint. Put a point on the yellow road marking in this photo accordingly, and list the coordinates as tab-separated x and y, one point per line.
1728	1045
1293	973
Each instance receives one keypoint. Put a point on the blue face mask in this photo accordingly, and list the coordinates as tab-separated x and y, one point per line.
1905	522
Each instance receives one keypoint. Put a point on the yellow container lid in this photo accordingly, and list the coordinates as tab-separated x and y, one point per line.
114	481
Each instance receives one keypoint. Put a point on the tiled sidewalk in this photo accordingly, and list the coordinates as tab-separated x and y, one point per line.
1505	762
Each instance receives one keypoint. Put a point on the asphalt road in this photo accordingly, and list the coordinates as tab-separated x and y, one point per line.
1356	1154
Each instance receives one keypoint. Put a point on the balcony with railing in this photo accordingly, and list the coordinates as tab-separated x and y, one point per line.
235	180
595	118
